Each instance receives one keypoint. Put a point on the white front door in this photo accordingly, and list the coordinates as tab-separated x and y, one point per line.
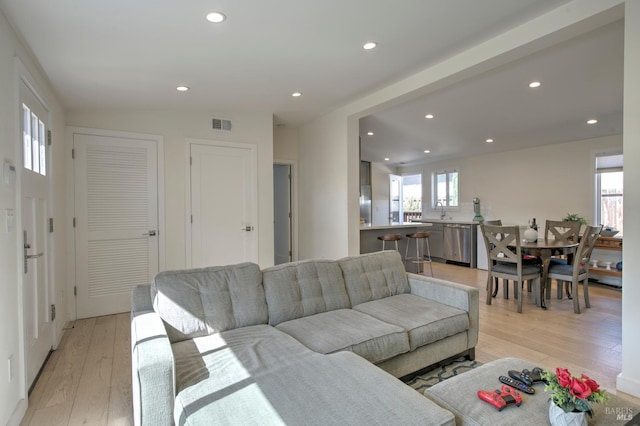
116	219
37	295
223	204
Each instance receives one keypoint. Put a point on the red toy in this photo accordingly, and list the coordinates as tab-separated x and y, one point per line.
500	398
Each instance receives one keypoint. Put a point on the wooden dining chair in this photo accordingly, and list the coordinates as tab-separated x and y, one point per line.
578	271
562	230
496	287
504	255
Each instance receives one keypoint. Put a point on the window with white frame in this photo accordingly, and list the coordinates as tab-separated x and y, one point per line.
609	191
34	145
445	188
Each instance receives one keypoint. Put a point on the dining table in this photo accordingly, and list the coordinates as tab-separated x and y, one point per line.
544	248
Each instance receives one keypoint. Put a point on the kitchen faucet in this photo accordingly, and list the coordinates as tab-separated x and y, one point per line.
441	209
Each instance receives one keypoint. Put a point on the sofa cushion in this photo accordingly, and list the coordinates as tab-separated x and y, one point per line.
298	289
424	320
234	355
338	389
348	330
197	302
374	276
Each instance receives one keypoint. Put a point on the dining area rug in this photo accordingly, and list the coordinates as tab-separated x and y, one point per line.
458	366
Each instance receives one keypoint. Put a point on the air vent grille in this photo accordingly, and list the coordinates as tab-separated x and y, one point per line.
221	124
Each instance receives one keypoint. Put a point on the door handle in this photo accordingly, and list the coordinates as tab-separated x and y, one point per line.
151	233
247	228
26	256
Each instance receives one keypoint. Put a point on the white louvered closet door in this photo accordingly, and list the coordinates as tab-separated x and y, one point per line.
116	211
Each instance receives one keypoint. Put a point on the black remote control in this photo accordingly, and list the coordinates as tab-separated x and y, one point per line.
517	384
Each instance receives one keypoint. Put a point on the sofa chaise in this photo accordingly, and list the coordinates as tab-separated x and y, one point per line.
309	342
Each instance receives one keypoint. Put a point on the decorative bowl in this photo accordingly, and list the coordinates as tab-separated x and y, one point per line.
608	232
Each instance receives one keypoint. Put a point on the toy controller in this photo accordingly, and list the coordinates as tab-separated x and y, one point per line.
527	377
517	384
500	398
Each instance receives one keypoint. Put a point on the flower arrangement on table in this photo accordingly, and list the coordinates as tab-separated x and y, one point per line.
573	394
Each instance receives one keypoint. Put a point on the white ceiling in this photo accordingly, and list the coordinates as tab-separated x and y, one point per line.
581	79
132	54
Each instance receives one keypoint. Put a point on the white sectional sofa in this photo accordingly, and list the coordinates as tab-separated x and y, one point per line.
310	342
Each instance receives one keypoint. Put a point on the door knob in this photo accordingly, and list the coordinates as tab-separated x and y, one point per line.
247	228
151	233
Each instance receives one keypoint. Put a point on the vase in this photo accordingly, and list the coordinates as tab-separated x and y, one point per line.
531	235
558	417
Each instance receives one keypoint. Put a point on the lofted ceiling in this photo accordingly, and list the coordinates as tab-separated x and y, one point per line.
123	54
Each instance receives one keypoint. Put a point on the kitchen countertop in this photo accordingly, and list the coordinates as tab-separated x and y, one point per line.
415	223
369	226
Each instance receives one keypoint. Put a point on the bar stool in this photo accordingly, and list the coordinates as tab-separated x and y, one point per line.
420	237
390	237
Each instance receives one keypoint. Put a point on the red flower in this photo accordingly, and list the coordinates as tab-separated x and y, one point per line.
579	389
564	377
593	385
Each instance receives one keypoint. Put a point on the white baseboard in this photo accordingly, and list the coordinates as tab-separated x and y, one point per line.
627	385
18	413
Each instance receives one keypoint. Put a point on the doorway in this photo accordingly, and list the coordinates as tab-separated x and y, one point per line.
282	213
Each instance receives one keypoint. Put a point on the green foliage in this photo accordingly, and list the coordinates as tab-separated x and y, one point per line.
574	217
412	204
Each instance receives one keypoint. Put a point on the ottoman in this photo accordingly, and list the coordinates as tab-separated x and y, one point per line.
459	395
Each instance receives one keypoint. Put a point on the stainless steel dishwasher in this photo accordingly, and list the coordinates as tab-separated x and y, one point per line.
458	243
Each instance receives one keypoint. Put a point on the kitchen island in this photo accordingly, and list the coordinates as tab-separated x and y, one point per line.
449	239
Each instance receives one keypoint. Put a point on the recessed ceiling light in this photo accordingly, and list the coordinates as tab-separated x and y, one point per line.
429	116
369	45
426	151
296	94
370	133
386	158
535	84
489	140
182	88
592	121
216	17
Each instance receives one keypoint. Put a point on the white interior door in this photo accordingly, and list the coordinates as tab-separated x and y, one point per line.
36	283
223	204
116	219
282	213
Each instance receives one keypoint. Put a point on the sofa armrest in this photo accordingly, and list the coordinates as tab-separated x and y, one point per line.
449	293
152	364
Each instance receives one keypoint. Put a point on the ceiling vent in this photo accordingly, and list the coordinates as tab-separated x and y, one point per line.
221	124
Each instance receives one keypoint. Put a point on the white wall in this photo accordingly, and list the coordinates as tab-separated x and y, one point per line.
544	182
285	143
629	378
13	393
175	127
323	205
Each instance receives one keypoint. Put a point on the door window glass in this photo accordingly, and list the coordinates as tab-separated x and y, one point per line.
33	137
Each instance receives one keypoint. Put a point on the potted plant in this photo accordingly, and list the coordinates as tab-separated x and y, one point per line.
571	397
574	217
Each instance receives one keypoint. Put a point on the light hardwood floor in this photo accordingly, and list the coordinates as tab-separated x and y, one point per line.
88	379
